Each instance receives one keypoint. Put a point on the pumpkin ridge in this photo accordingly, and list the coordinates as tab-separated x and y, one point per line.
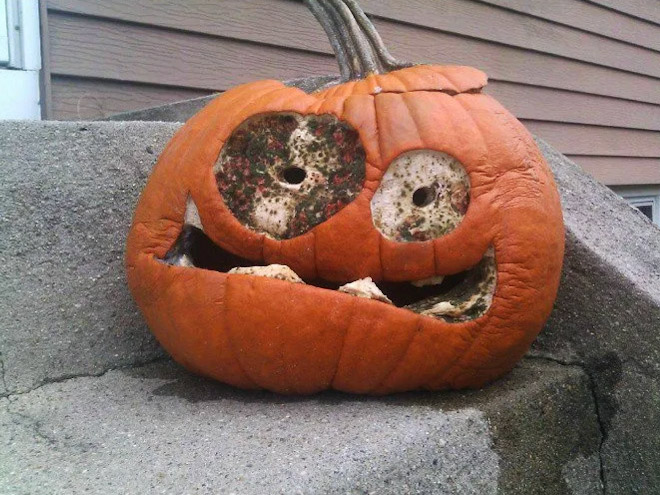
360	114
475	333
379	137
446	76
230	339
315	244
380	254
216	336
428	69
349	322
405	98
401	360
480	132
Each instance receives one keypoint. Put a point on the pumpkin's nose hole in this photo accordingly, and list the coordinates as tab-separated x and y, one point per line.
294	175
423	196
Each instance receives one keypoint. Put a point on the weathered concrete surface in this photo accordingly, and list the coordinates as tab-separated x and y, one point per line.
179	111
157	429
607	320
66	200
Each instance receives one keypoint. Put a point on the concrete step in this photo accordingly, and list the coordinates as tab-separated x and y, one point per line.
158	429
66	200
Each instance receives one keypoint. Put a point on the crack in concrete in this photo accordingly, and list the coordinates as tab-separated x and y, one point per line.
601	428
597	411
2	377
65	378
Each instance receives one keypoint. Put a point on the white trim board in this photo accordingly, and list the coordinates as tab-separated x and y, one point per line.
19	94
20	59
4	34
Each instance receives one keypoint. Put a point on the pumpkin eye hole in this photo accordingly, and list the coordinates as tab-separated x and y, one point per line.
281	174
293	175
423	196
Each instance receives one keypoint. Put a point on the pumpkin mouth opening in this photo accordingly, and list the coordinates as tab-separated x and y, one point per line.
454	298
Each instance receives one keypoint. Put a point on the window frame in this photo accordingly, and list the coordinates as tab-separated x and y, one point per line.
20	64
4	35
646	195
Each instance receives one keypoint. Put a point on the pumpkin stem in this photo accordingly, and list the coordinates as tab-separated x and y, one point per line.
359	49
345	59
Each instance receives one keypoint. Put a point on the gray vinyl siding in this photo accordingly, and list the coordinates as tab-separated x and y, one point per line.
584	75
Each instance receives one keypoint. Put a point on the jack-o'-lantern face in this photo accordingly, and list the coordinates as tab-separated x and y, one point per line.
397	232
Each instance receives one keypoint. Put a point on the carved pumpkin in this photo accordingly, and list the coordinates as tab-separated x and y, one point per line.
396	231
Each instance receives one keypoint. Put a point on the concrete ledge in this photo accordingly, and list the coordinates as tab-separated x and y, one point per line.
157	428
67	197
179	111
607	320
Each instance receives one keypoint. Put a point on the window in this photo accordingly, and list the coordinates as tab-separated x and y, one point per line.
20	59
645	198
644	204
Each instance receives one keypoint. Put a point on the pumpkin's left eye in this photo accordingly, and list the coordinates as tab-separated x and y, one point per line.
282	174
423	195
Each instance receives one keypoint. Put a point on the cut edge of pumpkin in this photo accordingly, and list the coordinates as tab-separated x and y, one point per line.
456	298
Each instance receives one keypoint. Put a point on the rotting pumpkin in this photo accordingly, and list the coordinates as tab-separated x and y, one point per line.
393	231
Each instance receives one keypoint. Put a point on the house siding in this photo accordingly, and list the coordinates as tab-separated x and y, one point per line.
584	75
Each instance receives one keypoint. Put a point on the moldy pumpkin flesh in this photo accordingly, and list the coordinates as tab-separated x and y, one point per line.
414	228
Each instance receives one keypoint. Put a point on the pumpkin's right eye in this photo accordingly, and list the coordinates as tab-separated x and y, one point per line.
281	174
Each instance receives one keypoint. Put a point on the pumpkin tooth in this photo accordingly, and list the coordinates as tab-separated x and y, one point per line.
185	261
437	280
453	310
279	272
191	215
364	287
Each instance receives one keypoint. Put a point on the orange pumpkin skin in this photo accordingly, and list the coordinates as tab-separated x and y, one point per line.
256	332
